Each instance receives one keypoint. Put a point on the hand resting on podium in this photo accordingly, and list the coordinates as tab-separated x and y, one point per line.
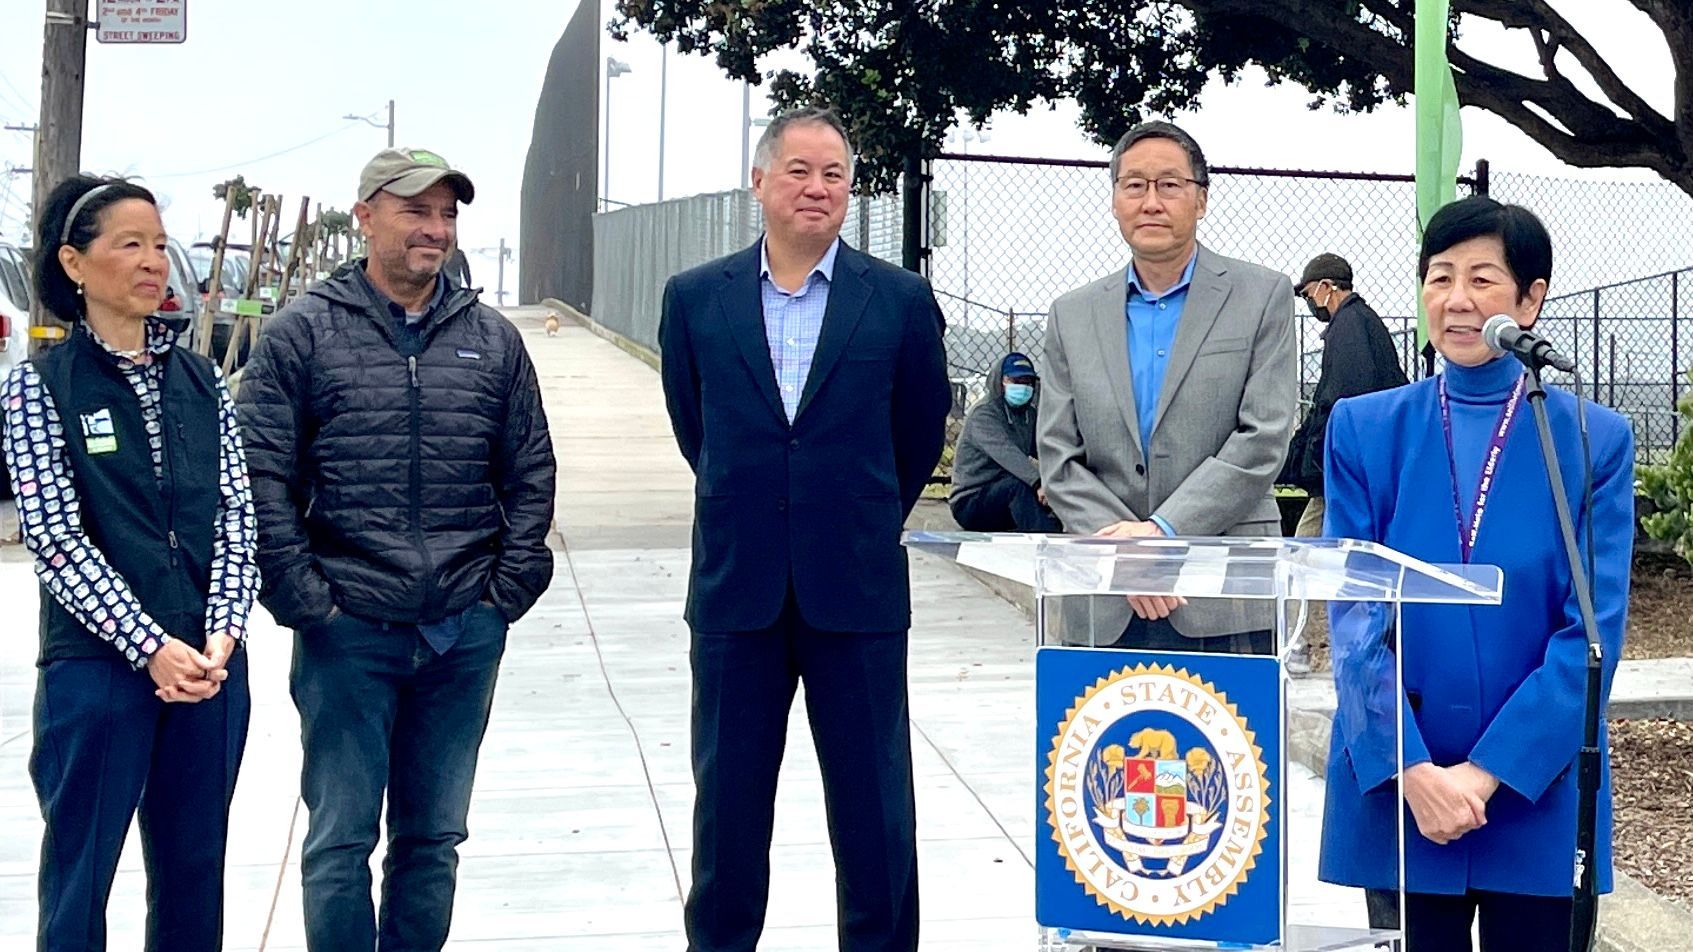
1146	606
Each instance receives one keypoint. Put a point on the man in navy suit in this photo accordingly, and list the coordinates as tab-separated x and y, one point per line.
807	387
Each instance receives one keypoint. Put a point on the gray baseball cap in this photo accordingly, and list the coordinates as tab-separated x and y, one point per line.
407	172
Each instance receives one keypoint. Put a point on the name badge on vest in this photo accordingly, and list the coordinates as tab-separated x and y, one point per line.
98	434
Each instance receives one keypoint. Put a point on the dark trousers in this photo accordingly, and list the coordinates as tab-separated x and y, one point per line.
1509	922
855	698
380	710
1157	634
1005	505
105	745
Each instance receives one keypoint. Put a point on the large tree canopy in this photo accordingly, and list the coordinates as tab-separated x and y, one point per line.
901	71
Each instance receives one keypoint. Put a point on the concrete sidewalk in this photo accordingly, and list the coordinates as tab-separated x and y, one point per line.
580	828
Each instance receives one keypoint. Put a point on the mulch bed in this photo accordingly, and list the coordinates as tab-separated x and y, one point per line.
1652	785
1660	608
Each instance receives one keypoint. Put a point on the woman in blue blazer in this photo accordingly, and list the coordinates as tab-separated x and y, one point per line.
1493	696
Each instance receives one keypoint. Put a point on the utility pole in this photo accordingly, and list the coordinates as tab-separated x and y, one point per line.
58	136
366	119
500	294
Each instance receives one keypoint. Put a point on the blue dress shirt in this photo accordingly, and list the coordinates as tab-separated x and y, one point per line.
1152	320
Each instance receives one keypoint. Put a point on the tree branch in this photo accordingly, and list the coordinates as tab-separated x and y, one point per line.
1594	137
1676	20
1537	15
1346	36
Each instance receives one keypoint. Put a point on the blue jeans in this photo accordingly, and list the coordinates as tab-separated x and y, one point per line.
105	746
380	710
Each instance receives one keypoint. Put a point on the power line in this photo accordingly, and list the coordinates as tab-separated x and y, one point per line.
9	218
6	203
246	162
18	98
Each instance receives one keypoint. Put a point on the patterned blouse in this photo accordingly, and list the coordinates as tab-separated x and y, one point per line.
33	439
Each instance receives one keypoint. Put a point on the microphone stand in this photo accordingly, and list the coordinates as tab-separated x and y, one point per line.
1584	916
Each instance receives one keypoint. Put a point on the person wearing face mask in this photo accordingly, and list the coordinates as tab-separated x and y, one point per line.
1492	702
133	497
403	476
995	470
1358	358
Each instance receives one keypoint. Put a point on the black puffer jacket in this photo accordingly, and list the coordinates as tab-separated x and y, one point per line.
398	475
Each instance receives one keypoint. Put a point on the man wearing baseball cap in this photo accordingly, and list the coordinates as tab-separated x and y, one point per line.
1358	358
403	480
995	473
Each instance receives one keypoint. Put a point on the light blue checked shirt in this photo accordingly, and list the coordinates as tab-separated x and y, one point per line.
792	323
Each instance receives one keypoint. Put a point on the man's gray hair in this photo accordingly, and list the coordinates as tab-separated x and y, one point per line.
765	153
1163	130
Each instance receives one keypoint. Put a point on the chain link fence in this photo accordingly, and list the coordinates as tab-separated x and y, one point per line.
1627	342
638	247
1619	302
1009	236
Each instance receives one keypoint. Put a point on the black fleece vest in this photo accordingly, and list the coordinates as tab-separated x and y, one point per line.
156	533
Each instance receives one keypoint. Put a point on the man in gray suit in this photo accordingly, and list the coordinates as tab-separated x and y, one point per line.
1170	394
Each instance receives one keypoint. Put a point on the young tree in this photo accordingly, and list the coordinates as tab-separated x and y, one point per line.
241	195
901	70
1670	488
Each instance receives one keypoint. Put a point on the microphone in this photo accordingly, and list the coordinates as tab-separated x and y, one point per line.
1502	334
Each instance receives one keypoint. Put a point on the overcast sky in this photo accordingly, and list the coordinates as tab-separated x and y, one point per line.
260	89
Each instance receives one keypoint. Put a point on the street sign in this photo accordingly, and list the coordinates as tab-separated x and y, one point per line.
128	21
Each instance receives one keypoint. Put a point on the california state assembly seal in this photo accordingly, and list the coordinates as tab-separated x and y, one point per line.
1157	795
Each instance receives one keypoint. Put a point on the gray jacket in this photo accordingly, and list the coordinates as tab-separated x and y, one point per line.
997	438
1221	430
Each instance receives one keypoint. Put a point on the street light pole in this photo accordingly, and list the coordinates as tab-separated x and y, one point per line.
613	69
663	85
748	124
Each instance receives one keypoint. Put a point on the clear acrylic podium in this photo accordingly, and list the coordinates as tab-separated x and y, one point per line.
1180	795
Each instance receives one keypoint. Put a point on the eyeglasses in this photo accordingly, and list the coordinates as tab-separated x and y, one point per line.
1169	186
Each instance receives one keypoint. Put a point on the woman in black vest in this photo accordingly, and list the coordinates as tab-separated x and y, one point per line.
133	498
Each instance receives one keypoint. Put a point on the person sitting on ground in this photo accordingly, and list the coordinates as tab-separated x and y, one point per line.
995	474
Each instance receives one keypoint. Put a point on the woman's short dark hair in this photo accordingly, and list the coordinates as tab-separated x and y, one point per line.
1528	246
55	288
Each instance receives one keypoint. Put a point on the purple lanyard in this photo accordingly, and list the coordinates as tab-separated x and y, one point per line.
1489	466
